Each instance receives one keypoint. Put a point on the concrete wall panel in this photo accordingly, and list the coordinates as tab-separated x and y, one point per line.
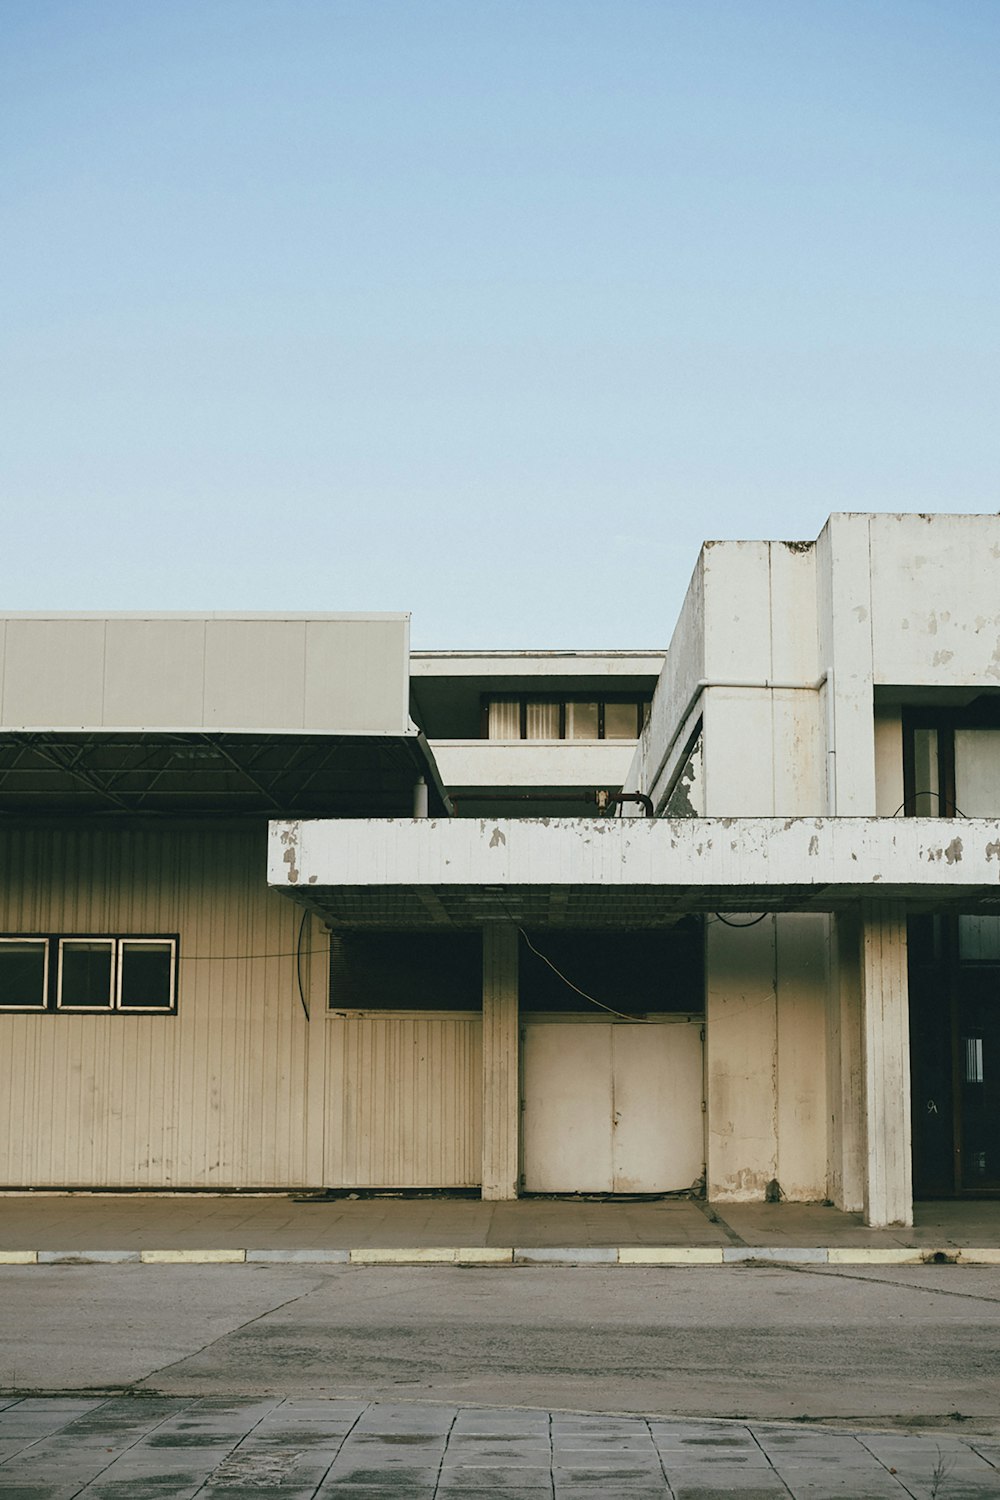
936	612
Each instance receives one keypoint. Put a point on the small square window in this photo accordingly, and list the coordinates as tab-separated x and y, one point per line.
24	973
145	974
86	973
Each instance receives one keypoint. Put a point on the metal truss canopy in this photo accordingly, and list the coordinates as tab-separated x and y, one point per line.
134	772
621	873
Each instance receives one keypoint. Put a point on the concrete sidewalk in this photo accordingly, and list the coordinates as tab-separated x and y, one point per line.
230	1226
175	1448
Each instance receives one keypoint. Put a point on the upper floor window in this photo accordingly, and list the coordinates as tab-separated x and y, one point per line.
531	717
125	974
951	761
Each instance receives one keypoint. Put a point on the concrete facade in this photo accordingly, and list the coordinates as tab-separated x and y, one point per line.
792	800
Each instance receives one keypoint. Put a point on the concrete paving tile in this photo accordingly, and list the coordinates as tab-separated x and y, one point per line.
723	1487
494	1453
593	1443
683	1460
511	1492
597	1491
145	1487
330	1490
490	1480
65	1491
611	1473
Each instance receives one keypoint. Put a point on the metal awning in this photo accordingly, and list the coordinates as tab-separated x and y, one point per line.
214	772
627	872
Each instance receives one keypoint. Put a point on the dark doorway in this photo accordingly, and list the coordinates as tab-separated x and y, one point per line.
954	970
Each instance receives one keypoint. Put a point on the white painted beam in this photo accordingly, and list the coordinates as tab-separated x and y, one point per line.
827	861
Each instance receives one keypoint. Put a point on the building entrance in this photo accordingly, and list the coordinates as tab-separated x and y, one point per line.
954	967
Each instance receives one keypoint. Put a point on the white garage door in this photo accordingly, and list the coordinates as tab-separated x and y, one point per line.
612	1108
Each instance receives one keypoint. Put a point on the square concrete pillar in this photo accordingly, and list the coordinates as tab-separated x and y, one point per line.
501	1071
886	1063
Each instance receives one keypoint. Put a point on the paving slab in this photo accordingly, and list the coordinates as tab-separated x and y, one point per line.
134	1449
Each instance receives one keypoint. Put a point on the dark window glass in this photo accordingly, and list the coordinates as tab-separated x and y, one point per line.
86	967
22	973
406	971
634	973
146	974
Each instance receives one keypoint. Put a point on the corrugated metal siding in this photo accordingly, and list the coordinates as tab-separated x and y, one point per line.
213	1097
405	1102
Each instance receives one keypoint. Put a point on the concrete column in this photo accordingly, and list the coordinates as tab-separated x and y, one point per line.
845	1067
501	1079
886	1060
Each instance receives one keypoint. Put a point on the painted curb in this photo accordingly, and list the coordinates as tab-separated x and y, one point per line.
787	1255
192	1257
590	1255
88	1257
662	1255
878	1255
525	1255
425	1255
299	1257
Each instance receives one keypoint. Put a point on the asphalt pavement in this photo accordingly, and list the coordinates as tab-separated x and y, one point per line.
130	1382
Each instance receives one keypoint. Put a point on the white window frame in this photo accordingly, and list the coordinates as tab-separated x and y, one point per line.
146	1010
96	938
45	945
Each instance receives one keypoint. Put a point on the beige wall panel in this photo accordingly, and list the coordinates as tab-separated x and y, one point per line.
356	675
405	1106
255	674
888	762
802	984
213	1097
154	673
741	1060
53	673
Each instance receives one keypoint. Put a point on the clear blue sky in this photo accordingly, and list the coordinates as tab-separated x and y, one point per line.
490	310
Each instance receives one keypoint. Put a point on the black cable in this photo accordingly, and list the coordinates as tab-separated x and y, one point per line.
726	922
956	810
298	964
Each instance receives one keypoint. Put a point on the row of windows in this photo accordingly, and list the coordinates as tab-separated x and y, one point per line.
531	718
66	974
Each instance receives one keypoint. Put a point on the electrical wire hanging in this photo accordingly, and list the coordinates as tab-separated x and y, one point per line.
641	1020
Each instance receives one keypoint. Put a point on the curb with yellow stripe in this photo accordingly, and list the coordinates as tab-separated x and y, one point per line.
480	1255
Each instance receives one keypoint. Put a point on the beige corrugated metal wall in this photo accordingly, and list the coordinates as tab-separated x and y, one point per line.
409	1101
212	1097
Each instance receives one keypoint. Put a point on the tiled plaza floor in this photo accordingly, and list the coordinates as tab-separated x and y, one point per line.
158	1448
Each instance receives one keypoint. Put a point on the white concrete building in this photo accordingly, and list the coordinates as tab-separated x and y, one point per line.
530	922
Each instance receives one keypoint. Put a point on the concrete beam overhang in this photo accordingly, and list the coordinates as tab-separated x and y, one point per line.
628	871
